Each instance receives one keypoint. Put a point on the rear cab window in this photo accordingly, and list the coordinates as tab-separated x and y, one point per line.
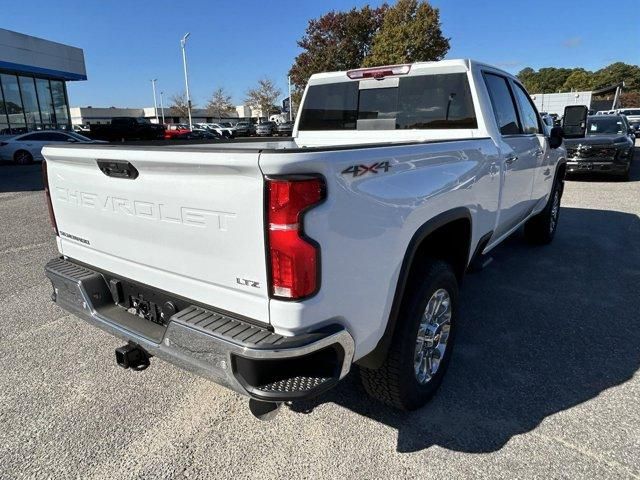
424	102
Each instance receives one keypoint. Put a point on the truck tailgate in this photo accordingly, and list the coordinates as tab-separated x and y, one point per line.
191	223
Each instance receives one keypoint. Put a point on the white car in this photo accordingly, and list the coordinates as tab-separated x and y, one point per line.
26	148
225	129
271	267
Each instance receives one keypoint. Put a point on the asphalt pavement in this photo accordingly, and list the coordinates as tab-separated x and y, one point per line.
543	384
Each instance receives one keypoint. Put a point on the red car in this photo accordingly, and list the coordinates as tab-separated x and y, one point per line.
176	131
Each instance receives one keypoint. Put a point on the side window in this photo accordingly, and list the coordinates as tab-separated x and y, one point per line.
503	107
34	137
530	118
57	137
29	138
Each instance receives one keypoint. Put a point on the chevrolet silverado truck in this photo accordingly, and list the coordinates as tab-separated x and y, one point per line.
273	268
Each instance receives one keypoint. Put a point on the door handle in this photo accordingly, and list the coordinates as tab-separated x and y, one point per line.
509	160
538	153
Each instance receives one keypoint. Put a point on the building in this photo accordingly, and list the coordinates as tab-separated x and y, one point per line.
33	76
602	99
102	115
555	102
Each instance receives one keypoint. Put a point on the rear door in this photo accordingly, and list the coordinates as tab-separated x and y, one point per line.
190	222
541	173
520	153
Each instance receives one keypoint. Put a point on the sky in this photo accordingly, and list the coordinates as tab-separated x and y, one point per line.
234	43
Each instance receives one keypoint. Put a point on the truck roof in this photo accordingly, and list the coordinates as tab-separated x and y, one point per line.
442	66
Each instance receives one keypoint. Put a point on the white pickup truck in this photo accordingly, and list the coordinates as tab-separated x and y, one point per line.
273	267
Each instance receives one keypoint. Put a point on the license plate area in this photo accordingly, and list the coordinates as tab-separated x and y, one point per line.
143	302
585	166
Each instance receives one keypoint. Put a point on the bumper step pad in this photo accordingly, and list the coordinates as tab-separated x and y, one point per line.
231	329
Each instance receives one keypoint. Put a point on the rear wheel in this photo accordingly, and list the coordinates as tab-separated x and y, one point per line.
541	229
422	343
22	157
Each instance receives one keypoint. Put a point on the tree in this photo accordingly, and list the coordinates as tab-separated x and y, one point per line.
264	96
578	80
219	103
410	32
529	79
551	79
179	104
616	73
630	99
336	41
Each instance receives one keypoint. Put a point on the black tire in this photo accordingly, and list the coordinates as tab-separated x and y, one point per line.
542	228
22	157
396	382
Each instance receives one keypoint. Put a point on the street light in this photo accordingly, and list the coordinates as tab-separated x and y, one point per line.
183	42
162	105
155	103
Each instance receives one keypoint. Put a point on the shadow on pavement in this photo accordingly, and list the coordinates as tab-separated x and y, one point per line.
542	329
20	178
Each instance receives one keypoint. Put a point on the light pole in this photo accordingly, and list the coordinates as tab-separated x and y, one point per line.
290	100
162	105
183	42
155	103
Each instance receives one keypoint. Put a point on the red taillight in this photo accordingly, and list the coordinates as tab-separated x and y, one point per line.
293	258
379	72
47	194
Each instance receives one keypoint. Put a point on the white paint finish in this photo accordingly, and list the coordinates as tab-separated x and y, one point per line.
364	227
366	224
190	224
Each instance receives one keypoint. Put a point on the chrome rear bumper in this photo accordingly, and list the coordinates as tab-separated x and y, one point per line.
230	351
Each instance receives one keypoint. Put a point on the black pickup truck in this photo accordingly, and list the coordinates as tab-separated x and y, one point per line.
127	128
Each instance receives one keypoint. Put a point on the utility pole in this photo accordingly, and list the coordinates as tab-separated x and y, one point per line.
183	42
155	103
162	105
290	100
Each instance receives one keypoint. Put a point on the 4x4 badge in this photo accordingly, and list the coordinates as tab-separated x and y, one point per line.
360	170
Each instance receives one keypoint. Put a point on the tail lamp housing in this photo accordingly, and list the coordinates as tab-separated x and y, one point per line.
47	194
293	259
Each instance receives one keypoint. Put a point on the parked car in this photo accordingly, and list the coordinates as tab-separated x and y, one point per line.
82	129
635	125
176	130
127	128
223	129
280	267
265	129
26	148
607	147
547	119
285	129
632	114
245	129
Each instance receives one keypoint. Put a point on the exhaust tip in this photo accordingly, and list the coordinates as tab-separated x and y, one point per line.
132	356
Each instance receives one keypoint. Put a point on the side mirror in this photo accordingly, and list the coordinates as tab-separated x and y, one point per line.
555	137
574	122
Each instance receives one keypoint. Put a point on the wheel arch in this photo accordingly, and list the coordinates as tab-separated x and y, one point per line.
19	150
449	236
